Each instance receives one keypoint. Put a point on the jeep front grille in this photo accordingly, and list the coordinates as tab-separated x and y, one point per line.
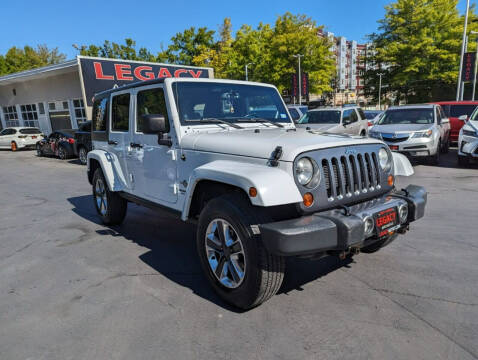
351	175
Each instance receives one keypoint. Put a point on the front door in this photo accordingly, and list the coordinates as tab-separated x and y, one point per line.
119	135
153	165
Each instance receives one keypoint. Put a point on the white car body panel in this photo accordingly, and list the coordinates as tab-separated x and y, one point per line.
471	142
274	185
111	169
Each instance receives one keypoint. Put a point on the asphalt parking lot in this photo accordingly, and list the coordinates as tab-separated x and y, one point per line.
71	288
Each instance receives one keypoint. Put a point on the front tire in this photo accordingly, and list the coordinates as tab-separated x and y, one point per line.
236	263
463	161
62	153
108	204
82	155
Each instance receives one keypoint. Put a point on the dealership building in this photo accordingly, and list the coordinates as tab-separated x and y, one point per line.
60	96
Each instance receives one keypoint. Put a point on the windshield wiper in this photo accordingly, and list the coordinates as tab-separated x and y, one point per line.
219	121
260	120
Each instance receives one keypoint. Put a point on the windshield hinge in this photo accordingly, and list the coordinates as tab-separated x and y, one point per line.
275	156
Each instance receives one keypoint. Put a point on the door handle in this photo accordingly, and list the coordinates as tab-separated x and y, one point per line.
136	145
112	142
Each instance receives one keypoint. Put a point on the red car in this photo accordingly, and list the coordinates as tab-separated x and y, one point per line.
453	110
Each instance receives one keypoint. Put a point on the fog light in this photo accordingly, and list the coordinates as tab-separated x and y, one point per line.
403	213
368	226
308	199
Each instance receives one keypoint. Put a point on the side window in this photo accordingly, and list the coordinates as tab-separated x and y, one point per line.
442	113
120	113
100	114
353	116
347	117
361	113
3	132
149	102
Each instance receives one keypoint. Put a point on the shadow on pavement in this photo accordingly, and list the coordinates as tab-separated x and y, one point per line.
172	250
449	160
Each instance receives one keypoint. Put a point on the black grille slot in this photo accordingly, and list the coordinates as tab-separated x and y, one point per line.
377	170
370	175
353	164
343	162
336	180
364	183
325	168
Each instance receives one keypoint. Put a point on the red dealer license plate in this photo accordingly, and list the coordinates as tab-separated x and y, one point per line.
386	221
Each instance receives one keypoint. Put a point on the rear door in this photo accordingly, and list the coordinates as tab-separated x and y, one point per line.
349	121
119	133
154	165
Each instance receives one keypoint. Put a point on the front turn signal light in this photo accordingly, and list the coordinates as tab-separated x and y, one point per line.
252	192
308	199
391	180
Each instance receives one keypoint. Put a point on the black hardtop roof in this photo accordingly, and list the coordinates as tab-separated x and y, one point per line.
105	93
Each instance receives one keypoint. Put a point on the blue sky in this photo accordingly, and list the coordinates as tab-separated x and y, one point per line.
62	23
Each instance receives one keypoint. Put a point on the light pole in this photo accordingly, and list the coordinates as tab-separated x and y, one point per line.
300	78
476	58
463	45
380	90
247	66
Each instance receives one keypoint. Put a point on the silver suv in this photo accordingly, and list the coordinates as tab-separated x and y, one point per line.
336	120
226	156
414	130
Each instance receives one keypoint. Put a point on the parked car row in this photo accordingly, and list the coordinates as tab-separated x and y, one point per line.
64	144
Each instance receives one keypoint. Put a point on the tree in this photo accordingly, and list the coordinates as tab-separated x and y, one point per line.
188	45
17	59
269	50
126	51
417	49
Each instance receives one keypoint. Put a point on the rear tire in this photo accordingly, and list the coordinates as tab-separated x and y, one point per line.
108	204
260	273
39	150
13	146
363	133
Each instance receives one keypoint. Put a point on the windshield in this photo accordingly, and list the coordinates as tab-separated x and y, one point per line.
407	116
321	117
369	115
228	102
30	131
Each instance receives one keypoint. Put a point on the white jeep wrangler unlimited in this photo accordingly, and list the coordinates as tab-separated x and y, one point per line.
226	154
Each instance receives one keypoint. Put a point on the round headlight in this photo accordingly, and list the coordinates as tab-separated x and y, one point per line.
384	159
304	170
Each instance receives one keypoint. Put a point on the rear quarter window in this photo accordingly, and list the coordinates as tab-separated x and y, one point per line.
100	114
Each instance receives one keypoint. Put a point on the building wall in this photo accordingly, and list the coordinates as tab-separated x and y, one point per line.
55	88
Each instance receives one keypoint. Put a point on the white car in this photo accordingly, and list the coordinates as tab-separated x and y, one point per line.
415	130
16	138
226	155
336	120
468	140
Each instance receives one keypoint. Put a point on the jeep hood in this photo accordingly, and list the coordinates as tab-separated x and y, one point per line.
261	144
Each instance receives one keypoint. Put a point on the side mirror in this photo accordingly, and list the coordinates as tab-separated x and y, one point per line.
463	118
158	125
154	124
345	122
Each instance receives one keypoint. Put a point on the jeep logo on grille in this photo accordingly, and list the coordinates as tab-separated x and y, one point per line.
350	151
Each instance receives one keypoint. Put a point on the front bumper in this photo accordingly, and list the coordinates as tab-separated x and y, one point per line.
335	230
414	147
468	146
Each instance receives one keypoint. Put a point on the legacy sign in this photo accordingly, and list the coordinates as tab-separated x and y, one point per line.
103	74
